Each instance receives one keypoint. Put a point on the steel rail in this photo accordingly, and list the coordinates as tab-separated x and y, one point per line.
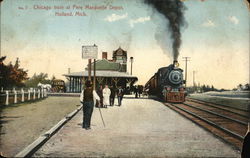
233	134
214	113
198	100
221	109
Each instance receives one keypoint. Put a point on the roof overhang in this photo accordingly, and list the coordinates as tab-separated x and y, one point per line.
101	74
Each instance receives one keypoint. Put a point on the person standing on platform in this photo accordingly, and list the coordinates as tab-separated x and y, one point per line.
106	94
112	96
120	93
136	92
140	89
88	98
245	153
99	92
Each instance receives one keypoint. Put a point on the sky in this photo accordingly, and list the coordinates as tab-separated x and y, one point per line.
215	37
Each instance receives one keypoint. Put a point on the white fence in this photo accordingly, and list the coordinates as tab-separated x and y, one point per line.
13	96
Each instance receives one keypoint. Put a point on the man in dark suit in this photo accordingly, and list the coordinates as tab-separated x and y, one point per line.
120	93
99	92
112	95
88	98
246	144
136	92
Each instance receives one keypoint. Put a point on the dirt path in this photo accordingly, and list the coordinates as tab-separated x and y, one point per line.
23	123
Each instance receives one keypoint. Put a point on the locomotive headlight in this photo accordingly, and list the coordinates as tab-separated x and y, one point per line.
176	64
175	77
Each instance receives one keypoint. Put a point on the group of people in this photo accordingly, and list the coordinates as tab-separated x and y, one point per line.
104	96
138	91
107	96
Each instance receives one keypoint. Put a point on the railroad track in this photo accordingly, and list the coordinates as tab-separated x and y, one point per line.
227	123
237	110
238	115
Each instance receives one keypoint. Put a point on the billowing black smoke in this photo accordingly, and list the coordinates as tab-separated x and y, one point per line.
173	10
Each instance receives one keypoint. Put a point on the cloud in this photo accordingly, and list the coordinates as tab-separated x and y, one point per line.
208	23
115	17
233	20
138	20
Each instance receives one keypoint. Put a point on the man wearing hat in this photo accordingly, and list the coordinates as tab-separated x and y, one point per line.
88	98
245	153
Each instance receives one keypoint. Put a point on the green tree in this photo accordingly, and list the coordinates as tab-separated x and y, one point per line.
53	78
240	87
203	88
35	79
12	75
247	87
208	88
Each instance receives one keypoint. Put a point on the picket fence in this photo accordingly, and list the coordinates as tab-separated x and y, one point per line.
13	96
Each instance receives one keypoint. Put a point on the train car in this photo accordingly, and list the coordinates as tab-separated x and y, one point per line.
58	86
167	83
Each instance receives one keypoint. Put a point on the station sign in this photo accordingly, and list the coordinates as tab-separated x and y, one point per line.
90	52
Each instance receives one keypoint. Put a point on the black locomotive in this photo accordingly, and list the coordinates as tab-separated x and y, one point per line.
167	83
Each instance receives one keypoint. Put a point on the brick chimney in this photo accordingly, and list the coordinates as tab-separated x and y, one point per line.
105	55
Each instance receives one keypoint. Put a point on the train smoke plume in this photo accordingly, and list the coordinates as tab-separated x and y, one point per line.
173	11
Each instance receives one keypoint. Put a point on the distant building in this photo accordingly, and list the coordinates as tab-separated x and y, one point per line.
120	56
111	72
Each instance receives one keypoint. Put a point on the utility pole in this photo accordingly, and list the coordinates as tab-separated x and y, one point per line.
94	85
186	59
0	30
89	70
194	78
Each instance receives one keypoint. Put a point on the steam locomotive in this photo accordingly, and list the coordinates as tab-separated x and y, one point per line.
167	83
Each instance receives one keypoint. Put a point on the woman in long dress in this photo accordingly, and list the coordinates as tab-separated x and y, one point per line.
106	94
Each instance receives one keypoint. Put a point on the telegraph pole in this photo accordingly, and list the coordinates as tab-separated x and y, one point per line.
0	29
194	78
89	70
186	59
94	82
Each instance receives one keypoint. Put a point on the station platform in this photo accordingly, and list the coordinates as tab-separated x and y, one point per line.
139	128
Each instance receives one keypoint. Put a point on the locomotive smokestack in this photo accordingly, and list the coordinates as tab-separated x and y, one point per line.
175	63
173	11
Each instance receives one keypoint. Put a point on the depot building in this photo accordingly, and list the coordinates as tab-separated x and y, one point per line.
108	72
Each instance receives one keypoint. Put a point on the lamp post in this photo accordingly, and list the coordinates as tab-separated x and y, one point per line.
131	60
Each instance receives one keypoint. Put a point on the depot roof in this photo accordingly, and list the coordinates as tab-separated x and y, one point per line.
101	74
